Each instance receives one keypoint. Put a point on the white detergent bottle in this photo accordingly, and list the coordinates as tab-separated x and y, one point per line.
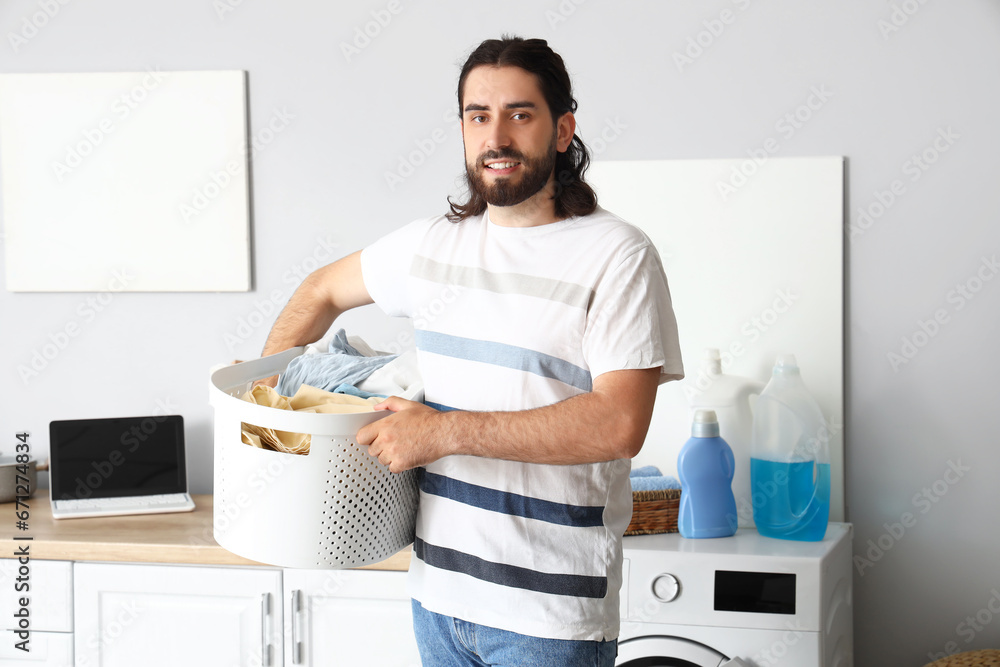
729	396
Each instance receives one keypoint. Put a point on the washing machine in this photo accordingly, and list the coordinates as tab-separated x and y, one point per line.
740	601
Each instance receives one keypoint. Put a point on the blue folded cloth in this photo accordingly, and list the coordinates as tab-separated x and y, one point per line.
654	483
649	478
342	365
354	391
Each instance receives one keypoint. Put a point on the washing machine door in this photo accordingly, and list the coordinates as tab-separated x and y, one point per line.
663	651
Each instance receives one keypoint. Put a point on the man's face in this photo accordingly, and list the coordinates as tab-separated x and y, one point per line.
510	141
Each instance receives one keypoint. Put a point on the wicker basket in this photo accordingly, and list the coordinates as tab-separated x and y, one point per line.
654	512
985	658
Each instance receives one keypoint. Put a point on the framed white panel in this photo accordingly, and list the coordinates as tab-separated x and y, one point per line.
754	257
133	181
166	615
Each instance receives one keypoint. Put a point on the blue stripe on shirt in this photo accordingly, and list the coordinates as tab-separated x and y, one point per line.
501	354
578	516
513	576
440	407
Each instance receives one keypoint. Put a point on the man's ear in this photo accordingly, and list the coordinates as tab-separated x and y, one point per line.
565	128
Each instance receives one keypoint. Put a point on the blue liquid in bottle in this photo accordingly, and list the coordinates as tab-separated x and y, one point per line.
706	466
790	500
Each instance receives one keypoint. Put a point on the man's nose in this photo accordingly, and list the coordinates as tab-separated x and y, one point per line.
498	137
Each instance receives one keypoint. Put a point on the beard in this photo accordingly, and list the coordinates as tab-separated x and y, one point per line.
508	191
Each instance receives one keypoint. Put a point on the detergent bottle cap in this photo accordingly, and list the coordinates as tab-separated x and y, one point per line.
711	361
786	365
705	424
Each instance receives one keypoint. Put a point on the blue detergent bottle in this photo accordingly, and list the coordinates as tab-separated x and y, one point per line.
790	460
706	467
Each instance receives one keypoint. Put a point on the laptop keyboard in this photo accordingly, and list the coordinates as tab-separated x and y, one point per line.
123	504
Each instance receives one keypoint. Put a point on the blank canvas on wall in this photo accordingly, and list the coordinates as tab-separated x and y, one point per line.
133	181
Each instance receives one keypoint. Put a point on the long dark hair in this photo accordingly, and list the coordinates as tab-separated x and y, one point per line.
572	194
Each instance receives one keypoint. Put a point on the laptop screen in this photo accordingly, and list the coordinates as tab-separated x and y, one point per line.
122	456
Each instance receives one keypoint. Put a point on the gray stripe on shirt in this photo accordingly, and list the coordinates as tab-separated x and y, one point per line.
571	294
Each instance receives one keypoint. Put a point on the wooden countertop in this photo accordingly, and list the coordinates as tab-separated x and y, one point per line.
179	537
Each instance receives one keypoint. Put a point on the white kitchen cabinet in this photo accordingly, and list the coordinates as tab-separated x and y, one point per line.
348	617
50	613
167	615
128	614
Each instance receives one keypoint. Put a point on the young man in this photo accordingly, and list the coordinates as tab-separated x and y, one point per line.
552	329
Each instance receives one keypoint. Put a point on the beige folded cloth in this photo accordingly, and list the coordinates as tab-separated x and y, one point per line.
306	399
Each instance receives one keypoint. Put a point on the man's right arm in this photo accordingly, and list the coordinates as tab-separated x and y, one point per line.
322	297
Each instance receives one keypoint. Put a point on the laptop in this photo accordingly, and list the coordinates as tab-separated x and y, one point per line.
120	465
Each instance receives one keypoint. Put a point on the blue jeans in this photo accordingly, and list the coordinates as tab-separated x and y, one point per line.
450	642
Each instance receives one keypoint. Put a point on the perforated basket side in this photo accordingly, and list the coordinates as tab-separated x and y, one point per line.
368	512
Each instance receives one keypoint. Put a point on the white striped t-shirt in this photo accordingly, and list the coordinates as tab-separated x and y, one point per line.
511	319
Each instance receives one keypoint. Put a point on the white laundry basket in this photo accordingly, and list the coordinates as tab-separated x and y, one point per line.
335	507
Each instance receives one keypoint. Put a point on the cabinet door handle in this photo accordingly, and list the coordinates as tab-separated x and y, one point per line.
296	627
265	648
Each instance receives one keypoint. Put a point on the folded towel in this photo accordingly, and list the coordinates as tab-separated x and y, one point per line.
654	483
646	471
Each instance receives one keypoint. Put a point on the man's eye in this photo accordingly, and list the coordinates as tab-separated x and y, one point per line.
478	119
520	116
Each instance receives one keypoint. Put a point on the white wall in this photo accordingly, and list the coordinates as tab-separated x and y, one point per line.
320	182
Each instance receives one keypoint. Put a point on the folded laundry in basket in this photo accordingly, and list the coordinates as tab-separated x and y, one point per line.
396	378
649	478
654	483
351	390
306	399
342	364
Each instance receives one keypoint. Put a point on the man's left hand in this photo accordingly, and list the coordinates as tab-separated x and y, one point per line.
412	436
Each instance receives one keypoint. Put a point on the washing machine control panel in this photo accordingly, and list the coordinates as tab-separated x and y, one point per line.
666	587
